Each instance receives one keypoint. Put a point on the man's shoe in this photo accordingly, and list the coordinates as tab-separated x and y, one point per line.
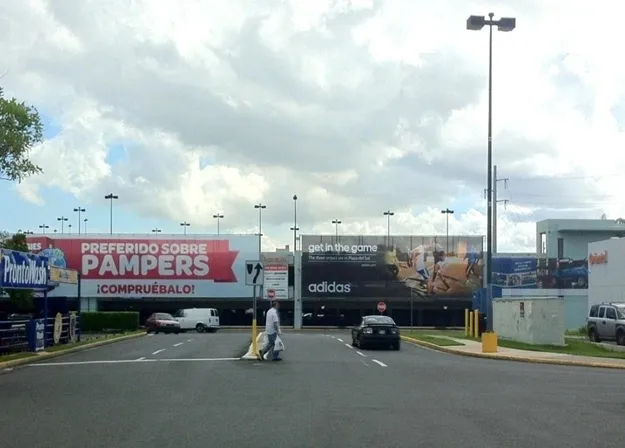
260	356
277	359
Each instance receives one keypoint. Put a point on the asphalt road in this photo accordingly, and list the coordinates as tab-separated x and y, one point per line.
190	390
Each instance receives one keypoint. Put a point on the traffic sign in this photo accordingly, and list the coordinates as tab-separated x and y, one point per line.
271	293
381	307
254	273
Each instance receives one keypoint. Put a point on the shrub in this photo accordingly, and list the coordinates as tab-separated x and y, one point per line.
109	320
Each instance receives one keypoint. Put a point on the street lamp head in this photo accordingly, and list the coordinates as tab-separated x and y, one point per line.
476	23
111	196
295	197
260	206
389	213
218	216
295	228
506	24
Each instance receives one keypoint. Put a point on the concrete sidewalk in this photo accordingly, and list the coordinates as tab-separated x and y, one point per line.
474	349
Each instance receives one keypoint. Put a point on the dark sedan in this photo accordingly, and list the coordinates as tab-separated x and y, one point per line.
376	330
162	322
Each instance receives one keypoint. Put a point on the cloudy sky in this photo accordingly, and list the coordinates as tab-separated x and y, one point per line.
189	108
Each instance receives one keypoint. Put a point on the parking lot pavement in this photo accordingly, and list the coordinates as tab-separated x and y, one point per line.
324	394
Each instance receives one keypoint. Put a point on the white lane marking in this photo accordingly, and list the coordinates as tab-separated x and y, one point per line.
141	359
189	340
380	363
349	346
129	361
158	351
340	340
178	344
362	354
362	361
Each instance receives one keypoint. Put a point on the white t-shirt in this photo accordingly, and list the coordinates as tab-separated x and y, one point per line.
270	319
419	258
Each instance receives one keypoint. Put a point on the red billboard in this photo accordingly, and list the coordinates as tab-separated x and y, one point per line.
148	266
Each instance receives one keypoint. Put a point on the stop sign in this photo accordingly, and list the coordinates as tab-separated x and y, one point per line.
381	307
271	293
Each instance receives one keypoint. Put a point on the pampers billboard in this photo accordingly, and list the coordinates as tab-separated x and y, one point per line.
370	266
148	266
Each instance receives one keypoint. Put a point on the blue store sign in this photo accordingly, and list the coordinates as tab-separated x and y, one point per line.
22	270
36	335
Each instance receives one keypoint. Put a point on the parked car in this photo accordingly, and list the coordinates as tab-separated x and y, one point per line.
606	322
376	330
198	319
162	322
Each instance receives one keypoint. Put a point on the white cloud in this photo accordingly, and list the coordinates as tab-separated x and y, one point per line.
356	107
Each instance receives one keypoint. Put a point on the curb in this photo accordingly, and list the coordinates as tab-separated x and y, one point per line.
46	355
560	362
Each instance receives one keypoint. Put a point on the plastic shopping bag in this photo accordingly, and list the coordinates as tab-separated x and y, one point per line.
279	345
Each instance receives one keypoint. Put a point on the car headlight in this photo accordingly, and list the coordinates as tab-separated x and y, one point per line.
394	331
367	330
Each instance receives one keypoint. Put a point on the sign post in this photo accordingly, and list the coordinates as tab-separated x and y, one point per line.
381	307
254	276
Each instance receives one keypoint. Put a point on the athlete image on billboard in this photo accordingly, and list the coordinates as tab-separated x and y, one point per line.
412	266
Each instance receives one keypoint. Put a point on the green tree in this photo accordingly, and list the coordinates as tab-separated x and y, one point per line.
20	130
22	299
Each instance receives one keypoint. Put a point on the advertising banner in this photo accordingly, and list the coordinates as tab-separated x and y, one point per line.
515	272
276	277
22	270
151	266
563	273
425	267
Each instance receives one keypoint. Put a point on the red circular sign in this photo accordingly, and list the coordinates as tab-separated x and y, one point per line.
271	293
381	307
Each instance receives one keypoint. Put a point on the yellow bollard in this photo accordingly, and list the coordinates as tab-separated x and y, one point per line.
254	336
466	322
476	324
470	323
489	342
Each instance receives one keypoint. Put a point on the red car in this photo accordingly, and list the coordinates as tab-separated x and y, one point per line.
162	322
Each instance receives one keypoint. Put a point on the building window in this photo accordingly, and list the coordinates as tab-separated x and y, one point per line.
560	247
543	243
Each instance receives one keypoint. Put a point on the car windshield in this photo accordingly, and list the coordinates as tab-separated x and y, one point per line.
379	320
620	312
164	316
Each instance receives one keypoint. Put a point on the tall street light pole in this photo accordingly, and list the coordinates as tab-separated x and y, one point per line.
218	217
260	208
79	210
506	24
184	225
447	212
388	215
336	223
43	228
294	228
63	220
111	197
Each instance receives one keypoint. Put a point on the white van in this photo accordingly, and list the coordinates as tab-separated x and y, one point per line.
198	319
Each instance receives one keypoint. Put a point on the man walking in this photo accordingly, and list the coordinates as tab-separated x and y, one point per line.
272	330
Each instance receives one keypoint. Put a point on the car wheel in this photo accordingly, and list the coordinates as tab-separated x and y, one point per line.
396	346
200	328
148	331
177	332
353	341
156	331
593	336
620	338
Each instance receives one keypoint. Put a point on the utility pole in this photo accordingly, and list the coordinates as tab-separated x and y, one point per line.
495	202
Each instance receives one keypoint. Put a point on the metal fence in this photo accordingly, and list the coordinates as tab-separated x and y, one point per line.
13	336
16	335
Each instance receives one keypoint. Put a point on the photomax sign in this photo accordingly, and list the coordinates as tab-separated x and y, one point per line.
21	270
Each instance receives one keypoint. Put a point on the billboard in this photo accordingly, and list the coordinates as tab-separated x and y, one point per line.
515	272
138	266
22	270
562	273
426	267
